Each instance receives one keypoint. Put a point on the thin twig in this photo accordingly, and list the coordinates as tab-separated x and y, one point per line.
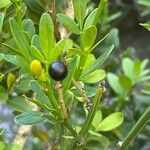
61	99
82	92
53	11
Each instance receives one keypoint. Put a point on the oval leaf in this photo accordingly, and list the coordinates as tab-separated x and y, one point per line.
46	33
111	122
68	23
19	104
89	36
94	77
114	83
29	118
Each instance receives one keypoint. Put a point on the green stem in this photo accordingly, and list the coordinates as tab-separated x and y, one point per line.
90	116
51	96
62	139
135	130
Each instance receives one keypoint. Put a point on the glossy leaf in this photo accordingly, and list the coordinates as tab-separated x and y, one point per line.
89	36
71	70
68	23
46	34
98	63
94	76
19	104
79	10
29	118
111	122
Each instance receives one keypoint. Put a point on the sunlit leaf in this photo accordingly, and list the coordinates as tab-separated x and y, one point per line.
111	122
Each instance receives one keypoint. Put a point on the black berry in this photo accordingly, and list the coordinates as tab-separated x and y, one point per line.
58	70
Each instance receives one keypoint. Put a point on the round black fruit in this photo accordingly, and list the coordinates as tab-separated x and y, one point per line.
58	70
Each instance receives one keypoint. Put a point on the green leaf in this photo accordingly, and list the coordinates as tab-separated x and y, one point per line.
137	68
29	118
90	19
28	26
71	70
79	10
3	94
40	95
20	39
4	3
91	114
36	42
125	82
57	50
97	119
144	2
10	80
89	36
104	142
68	23
98	63
1	21
127	66
100	10
111	122
1	56
37	54
19	104
115	85
146	25
1	77
94	76
90	60
17	60
12	49
1	131
46	34
144	64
